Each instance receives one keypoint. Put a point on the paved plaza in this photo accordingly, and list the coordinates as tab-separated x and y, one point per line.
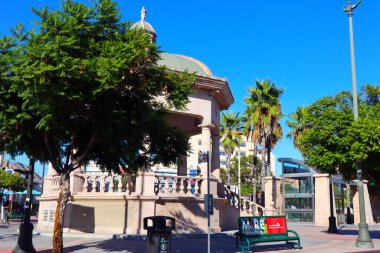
313	239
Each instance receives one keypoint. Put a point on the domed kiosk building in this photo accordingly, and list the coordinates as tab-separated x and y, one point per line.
113	203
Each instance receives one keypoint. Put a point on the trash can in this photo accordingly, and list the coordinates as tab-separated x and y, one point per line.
159	233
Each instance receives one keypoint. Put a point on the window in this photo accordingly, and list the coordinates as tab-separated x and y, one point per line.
199	142
48	216
241	153
222	153
243	145
224	163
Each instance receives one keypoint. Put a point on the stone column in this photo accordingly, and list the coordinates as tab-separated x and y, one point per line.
322	200
368	210
51	172
215	158
206	146
273	197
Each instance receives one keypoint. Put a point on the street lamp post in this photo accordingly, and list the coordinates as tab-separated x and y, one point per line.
24	242
363	240
332	220
239	173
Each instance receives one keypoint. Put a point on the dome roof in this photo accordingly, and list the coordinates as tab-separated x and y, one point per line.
145	25
182	63
173	61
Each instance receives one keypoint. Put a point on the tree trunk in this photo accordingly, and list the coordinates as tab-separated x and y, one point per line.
264	165
63	198
228	168
254	172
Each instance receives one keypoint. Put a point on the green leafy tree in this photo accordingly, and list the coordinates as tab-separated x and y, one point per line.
13	182
230	132
335	143
263	113
248	173
83	87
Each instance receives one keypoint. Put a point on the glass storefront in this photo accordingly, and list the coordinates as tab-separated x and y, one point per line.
298	191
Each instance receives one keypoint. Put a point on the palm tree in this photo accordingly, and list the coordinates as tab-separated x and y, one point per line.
263	113
298	125
230	132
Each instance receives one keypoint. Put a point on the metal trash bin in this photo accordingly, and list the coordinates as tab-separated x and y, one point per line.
159	233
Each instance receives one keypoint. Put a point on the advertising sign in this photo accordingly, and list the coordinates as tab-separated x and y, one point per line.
276	225
262	225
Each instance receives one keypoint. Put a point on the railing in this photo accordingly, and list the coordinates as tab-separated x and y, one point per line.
52	183
247	205
95	182
146	184
173	184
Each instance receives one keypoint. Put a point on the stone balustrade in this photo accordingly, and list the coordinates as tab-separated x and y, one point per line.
145	184
246	206
93	183
52	183
177	185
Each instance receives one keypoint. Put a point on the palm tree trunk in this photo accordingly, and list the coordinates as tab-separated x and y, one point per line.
264	165
228	168
63	198
254	173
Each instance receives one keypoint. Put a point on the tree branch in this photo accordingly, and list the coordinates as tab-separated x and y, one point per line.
54	162
68	148
78	162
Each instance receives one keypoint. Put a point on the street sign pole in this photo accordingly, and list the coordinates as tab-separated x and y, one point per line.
208	209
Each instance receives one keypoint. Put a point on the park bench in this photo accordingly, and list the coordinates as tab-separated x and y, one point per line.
257	229
13	215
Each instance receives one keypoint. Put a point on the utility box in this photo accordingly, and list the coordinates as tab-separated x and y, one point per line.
159	233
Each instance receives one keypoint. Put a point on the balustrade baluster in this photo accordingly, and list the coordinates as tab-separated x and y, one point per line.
185	184
162	184
120	183
199	183
156	187
170	184
111	183
85	184
93	184
192	186
103	183
178	185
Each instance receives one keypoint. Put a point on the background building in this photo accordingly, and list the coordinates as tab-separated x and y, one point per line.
246	150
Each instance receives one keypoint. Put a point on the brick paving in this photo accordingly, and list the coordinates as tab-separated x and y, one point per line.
313	240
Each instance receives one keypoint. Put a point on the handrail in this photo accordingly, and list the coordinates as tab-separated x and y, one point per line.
246	202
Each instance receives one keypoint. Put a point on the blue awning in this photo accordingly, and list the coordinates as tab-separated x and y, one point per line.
34	192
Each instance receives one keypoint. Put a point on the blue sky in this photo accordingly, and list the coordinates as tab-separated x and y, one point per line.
302	46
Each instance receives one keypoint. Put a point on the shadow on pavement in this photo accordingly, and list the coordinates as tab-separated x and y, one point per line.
220	243
374	234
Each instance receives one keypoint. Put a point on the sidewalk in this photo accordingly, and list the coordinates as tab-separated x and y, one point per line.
313	239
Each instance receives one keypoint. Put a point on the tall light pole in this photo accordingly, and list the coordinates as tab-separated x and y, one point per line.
363	240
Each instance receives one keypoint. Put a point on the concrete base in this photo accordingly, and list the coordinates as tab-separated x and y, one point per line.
332	225
364	239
